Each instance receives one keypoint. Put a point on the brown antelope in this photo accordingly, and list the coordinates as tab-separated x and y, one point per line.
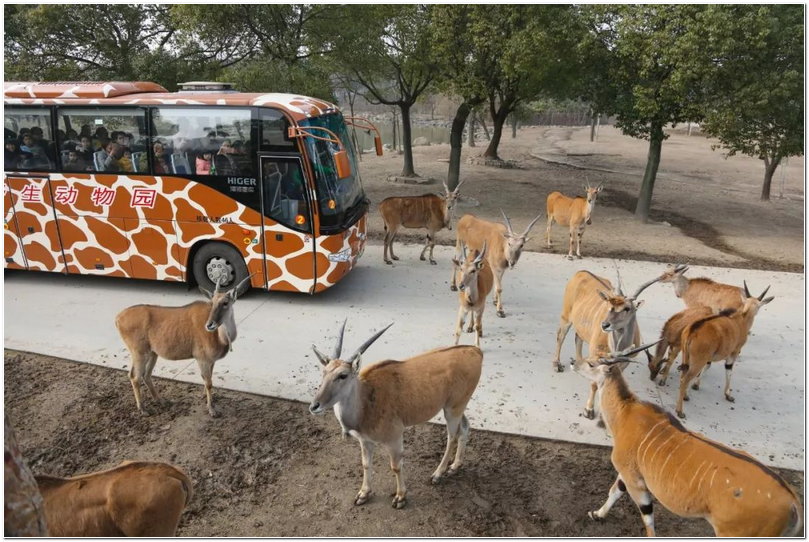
670	337
689	474
702	291
136	498
572	212
605	318
475	283
428	211
375	404
715	338
505	248
201	330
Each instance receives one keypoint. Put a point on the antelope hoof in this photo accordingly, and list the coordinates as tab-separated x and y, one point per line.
470	329
422	258
589	413
362	498
388	262
501	313
600	423
394	257
213	412
433	262
143	412
694	386
570	256
686	398
435	479
730	398
453	287
661	382
399	502
594	515
578	256
453	470
681	414
559	367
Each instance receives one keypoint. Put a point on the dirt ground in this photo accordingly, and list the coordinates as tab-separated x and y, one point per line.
269	468
705	208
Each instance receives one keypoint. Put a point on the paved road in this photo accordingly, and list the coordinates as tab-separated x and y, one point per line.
72	317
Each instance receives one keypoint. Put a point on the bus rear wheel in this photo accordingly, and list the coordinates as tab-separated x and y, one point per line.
220	262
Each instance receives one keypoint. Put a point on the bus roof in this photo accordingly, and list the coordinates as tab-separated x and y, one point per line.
146	93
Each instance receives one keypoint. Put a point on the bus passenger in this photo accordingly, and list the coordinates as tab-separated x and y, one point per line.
85	148
126	160
224	164
75	162
13	155
204	163
109	158
161	165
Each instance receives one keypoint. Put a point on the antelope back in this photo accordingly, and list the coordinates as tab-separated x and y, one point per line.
413	211
718	296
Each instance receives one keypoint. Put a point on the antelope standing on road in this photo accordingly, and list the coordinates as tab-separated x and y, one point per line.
505	248
201	330
573	212
475	283
715	338
670	338
691	475
702	291
428	211
375	404
605	318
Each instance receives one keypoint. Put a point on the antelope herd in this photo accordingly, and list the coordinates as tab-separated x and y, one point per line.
654	455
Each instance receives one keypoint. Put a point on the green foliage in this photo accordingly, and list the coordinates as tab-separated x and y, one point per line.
755	79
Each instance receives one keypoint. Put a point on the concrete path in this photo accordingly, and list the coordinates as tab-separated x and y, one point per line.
72	317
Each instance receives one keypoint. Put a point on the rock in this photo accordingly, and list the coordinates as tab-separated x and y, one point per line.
421	142
410	180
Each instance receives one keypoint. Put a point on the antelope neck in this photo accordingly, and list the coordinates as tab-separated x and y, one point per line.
349	409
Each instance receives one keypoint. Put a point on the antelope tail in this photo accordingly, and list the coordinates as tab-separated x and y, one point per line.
686	349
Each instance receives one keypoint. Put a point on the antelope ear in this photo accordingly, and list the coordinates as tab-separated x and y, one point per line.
355	365
638	304
767	300
603	295
456	262
479	265
600	188
207	293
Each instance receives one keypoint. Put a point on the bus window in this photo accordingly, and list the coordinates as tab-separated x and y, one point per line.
285	192
274	135
108	139
29	141
205	141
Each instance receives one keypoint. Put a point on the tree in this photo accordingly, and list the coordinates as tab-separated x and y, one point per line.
92	42
648	85
755	74
386	48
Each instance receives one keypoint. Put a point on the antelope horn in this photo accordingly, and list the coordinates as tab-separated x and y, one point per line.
763	293
620	283
446	188
368	343
644	286
236	289
219	282
624	354
338	348
508	223
746	291
463	246
481	254
458	186
531	225
680	267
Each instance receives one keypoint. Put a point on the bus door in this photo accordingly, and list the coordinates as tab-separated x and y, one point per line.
12	246
288	228
35	223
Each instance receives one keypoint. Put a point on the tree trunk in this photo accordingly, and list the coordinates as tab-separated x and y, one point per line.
593	126
649	176
24	510
455	144
357	149
482	122
471	135
395	124
513	126
497	132
769	171
407	144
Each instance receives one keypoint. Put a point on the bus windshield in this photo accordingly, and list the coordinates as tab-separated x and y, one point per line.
340	201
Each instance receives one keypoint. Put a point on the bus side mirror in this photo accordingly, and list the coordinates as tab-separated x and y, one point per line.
342	164
378	144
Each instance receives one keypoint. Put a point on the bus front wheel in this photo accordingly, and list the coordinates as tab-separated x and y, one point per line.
220	262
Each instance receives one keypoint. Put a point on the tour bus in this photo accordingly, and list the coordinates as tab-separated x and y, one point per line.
206	185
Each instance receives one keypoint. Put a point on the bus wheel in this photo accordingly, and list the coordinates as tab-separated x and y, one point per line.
217	261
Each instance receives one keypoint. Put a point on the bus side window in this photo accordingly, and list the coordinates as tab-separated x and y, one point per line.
274	135
31	146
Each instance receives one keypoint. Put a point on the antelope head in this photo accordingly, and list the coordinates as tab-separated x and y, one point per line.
450	199
221	304
620	318
469	268
752	304
515	242
339	376
598	369
591	193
